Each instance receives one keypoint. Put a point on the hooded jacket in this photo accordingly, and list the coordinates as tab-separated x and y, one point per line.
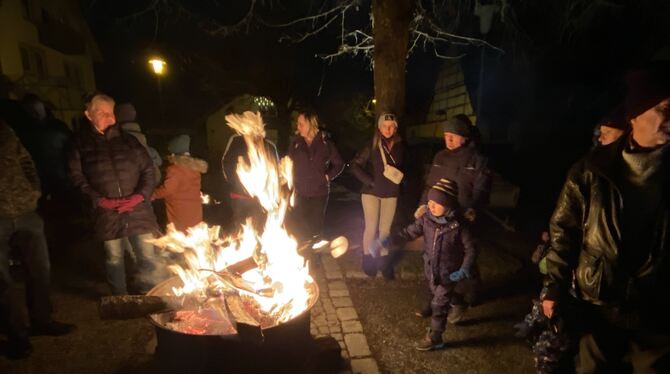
626	275
314	165
448	244
113	165
181	190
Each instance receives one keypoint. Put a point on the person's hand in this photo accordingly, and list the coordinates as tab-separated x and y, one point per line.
130	203
470	214
459	275
375	248
107	203
548	307
420	211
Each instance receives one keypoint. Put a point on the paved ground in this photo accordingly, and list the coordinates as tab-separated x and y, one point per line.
372	319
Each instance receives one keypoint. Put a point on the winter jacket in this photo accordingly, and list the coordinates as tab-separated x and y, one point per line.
235	149
587	240
368	167
19	183
181	191
113	165
468	168
448	246
314	165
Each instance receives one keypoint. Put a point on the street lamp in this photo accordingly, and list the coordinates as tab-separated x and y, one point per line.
158	65
159	68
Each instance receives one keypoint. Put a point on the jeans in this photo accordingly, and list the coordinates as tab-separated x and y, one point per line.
26	234
148	269
378	213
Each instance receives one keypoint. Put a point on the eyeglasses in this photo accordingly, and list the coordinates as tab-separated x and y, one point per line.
389	117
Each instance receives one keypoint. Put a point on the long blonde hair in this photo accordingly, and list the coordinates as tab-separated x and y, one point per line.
313	119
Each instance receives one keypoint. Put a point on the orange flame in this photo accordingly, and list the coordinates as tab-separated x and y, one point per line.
275	251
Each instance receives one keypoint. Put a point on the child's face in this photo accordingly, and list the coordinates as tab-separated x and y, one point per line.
436	209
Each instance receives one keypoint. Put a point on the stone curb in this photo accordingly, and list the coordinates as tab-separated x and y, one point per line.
335	315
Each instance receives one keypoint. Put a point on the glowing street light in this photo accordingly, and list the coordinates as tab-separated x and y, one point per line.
158	66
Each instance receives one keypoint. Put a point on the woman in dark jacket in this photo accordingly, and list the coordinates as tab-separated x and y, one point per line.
379	194
316	162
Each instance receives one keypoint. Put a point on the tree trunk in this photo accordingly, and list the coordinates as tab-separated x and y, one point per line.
391	36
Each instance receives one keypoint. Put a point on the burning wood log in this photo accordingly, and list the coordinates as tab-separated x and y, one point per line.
138	306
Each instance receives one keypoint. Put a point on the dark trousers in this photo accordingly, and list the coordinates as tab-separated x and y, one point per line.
308	215
26	234
609	349
246	208
440	303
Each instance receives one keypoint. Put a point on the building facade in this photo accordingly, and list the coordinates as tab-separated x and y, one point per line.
46	48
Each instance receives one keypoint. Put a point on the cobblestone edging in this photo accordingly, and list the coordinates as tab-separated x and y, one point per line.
334	314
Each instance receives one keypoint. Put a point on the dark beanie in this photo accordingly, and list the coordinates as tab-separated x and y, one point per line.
459	124
445	193
180	144
616	119
646	88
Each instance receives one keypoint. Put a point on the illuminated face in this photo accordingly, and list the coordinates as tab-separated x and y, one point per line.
101	114
388	129
652	128
609	135
436	209
453	141
303	126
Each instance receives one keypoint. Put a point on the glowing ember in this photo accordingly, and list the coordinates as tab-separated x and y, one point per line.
280	268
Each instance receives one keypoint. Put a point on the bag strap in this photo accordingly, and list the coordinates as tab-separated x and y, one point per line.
382	153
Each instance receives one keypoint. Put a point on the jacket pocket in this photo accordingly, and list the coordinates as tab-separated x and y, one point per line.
591	275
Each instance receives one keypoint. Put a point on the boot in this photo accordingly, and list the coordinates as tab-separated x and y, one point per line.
430	342
386	267
369	266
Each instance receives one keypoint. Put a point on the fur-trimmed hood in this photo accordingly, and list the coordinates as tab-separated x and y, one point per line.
189	162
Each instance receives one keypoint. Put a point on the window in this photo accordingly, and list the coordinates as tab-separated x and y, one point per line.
32	60
73	73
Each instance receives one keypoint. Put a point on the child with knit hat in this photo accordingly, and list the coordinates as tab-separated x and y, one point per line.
449	254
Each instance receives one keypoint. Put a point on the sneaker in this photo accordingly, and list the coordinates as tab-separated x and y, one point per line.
456	314
428	344
52	328
19	349
426	312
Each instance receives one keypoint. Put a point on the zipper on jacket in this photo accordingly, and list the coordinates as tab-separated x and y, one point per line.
111	160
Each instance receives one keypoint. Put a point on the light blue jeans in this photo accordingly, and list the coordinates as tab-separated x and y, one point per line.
147	263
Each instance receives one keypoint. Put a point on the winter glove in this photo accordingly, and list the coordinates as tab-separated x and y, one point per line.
470	214
107	203
130	203
420	211
459	275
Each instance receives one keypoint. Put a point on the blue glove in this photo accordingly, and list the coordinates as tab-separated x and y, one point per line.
459	275
375	248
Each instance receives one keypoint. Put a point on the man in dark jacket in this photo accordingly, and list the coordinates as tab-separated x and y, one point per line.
610	237
115	174
461	162
241	203
21	225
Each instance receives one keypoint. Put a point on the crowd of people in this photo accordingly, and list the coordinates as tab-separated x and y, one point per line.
604	257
